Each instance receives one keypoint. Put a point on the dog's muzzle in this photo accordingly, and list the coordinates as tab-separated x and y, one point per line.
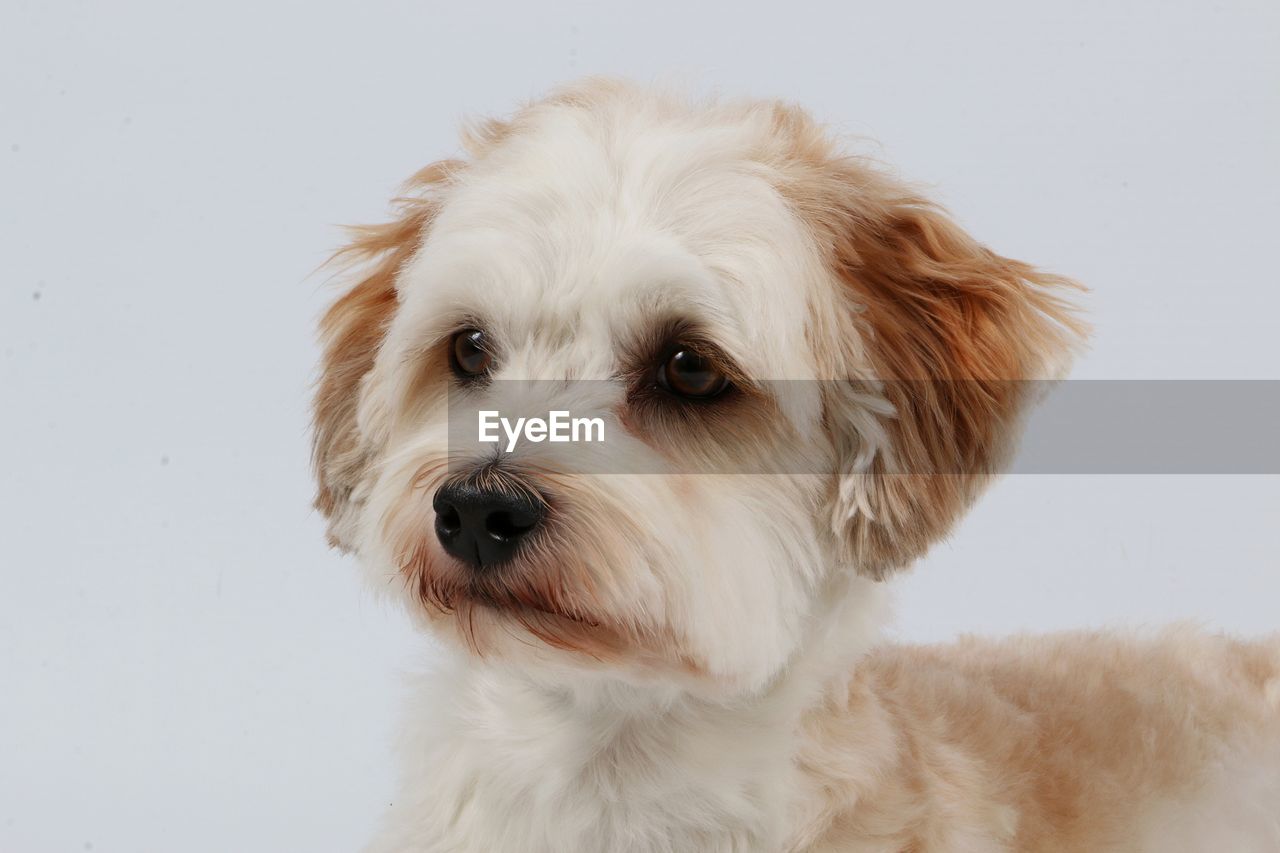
483	524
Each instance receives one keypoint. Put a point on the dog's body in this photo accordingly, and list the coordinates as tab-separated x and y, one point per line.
653	649
1167	744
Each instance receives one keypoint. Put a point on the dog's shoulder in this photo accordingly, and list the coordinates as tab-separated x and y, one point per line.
1088	740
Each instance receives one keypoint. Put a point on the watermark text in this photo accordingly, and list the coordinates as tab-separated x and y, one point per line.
558	426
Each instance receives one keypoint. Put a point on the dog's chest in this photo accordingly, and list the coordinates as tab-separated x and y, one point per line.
526	775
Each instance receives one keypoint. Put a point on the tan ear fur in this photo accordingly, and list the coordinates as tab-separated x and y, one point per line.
940	327
352	331
952	330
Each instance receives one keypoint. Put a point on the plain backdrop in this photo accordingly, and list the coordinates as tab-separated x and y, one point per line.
185	666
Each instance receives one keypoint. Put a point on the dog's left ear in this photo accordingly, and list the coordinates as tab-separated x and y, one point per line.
938	335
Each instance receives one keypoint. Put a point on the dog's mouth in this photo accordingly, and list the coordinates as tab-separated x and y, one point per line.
553	588
512	597
538	604
519	600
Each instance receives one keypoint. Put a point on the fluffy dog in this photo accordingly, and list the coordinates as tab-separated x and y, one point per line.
650	648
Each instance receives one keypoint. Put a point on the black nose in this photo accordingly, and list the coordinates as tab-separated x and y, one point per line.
483	525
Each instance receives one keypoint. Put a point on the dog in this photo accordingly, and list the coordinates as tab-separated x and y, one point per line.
653	646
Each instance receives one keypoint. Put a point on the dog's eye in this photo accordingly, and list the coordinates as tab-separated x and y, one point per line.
471	356
689	374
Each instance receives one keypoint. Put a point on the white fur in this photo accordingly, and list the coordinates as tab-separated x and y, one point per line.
503	760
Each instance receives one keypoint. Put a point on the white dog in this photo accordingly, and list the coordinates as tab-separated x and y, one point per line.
653	649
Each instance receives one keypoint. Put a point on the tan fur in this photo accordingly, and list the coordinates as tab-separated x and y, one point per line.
352	331
952	330
1059	739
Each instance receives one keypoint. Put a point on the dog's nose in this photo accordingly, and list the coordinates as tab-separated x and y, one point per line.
483	525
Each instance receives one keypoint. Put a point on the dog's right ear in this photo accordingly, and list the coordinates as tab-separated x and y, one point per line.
352	332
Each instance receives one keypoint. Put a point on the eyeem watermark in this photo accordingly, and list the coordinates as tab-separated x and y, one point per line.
558	427
1083	426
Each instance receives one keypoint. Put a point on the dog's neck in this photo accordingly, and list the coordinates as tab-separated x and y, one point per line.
502	761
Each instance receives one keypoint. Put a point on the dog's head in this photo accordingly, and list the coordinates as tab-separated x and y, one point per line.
716	283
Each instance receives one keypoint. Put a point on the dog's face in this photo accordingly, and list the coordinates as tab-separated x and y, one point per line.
715	284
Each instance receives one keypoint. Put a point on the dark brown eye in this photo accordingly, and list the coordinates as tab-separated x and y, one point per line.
689	374
471	356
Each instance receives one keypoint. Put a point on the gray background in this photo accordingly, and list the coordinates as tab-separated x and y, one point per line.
184	666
